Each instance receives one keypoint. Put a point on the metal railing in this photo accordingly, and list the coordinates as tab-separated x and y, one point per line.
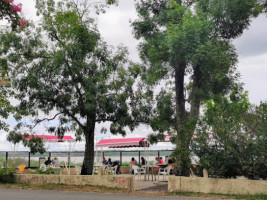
118	154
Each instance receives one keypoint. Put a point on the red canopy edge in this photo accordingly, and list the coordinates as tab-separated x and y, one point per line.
52	138
123	143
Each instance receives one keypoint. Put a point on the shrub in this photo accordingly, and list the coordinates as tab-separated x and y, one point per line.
7	174
40	171
231	139
125	164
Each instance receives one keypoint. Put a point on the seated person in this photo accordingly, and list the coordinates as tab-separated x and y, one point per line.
170	161
133	162
160	161
109	161
104	161
55	161
143	161
155	162
48	162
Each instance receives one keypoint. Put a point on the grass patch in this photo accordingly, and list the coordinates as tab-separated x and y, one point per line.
99	189
62	187
221	196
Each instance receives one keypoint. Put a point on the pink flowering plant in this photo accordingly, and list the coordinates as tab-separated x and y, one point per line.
17	8
9	11
22	22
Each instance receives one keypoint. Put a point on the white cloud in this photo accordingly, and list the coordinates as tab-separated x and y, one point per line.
253	41
254	71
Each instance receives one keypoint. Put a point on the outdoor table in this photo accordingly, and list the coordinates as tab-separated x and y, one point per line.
150	170
163	166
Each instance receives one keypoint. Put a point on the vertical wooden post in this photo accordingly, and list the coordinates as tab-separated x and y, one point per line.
50	154
69	159
29	161
6	157
139	156
103	153
120	158
158	154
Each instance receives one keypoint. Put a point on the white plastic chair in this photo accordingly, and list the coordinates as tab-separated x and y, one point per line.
78	170
114	169
42	167
107	169
166	171
138	171
95	170
57	171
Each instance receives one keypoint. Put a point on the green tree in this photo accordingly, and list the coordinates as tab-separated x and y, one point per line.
231	137
188	39
220	140
255	159
64	70
5	106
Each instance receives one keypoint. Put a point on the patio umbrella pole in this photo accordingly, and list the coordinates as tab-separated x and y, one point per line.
69	157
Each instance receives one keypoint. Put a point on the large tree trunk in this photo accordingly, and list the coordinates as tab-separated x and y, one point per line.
195	99
182	150
186	124
88	162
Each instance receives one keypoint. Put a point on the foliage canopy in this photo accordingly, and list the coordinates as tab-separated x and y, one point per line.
62	69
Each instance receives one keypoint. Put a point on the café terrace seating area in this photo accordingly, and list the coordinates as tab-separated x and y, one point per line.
150	171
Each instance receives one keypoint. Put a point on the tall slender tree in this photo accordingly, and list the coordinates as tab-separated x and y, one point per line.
189	40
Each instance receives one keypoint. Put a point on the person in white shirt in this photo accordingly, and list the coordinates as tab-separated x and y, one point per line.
155	162
55	161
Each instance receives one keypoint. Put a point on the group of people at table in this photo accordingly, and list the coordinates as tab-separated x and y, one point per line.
54	162
156	168
157	163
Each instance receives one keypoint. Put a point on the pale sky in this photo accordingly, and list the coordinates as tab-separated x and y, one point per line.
115	28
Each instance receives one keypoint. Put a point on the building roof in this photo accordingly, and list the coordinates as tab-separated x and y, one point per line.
123	143
52	138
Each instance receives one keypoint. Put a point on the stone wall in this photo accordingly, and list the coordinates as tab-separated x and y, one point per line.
125	170
212	185
118	181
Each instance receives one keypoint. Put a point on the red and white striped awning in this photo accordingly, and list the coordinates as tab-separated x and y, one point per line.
52	138
123	143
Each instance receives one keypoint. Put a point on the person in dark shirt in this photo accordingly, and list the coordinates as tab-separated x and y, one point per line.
143	161
170	161
48	162
104	161
109	161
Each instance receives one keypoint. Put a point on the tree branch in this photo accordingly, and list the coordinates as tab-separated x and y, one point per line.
38	121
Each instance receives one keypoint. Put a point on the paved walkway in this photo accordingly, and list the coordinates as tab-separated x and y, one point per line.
150	186
141	185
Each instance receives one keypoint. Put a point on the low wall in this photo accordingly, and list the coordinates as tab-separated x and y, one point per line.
125	170
118	181
212	185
